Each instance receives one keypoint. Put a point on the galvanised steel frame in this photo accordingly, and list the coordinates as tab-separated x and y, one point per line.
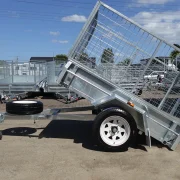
111	44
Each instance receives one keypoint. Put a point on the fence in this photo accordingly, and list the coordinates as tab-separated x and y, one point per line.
25	76
21	72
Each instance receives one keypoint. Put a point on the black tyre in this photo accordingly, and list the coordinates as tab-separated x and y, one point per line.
114	129
96	111
24	107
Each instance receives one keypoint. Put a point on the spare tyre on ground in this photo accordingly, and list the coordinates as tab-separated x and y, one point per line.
24	107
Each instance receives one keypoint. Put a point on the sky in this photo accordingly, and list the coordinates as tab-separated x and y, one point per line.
49	27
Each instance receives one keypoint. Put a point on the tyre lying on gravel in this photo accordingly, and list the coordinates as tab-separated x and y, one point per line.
114	129
24	107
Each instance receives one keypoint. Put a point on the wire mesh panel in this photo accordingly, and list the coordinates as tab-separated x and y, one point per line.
4	69
21	72
124	53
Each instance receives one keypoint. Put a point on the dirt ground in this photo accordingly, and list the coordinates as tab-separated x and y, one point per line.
63	150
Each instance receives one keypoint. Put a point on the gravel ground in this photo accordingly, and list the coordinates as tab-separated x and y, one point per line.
63	150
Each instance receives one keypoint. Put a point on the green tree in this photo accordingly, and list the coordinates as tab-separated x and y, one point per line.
107	56
125	62
174	54
61	58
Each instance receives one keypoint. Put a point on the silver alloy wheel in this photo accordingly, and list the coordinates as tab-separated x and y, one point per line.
115	130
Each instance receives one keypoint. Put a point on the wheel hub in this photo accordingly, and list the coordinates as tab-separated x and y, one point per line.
114	129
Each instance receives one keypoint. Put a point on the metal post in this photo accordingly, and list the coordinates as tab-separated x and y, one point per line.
39	72
29	69
34	73
3	70
12	69
46	69
10	85
7	70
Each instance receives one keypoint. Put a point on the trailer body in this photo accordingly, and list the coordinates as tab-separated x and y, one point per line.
108	64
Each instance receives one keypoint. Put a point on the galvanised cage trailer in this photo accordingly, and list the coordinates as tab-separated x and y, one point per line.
111	52
109	65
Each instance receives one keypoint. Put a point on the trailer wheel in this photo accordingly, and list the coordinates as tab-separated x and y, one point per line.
24	107
114	129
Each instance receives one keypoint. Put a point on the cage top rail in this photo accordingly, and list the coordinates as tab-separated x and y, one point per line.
133	22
